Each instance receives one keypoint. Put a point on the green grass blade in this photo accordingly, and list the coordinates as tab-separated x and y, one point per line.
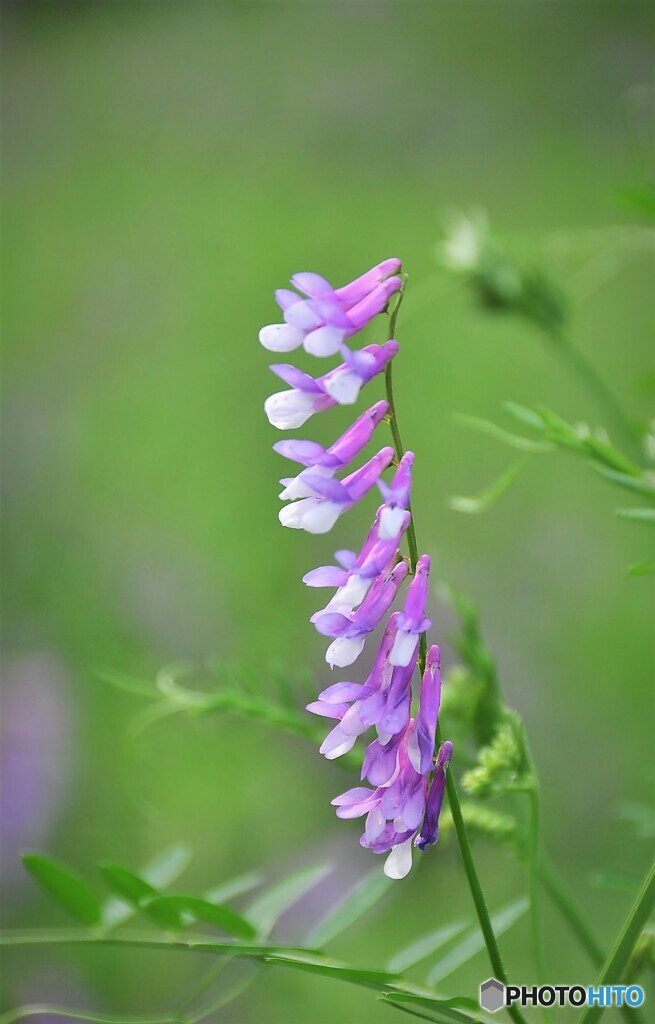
474	942
267	908
411	955
364	895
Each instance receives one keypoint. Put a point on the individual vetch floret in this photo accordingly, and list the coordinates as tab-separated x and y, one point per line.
328	498
349	632
287	410
396	496
322	321
327	461
413	621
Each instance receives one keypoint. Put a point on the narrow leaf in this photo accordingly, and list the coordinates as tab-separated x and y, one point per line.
137	687
136	890
427	1009
212	913
523	444
234	887
162	870
267	908
524	415
646	568
474	942
425	946
640	484
611	457
640	515
64	886
442	1011
315	964
354	905
484	500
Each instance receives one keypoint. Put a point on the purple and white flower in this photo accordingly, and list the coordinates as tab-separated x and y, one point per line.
430	828
328	498
349	632
402	809
327	461
412	621
287	410
396	496
326	317
354	576
383	701
396	809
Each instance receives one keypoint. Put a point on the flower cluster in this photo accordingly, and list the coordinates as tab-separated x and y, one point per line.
407	782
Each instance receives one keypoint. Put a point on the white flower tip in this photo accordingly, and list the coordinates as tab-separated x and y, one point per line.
280	337
399	862
391	522
344	651
344	387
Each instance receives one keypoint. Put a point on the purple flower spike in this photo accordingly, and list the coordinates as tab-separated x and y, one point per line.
420	747
322	321
350	631
396	497
412	621
430	827
287	410
327	499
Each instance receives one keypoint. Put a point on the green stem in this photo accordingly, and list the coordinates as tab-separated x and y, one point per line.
470	869
616	963
587	373
568	908
534	856
556	888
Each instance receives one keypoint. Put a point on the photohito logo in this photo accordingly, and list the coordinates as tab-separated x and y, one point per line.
494	995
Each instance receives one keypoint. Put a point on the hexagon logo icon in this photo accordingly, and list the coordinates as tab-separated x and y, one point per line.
492	995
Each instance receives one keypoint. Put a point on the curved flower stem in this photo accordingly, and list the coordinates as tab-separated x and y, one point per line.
470	869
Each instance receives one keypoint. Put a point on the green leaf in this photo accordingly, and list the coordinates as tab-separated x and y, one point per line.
315	964
441	1011
438	1011
212	913
642	485
234	887
425	946
646	568
640	515
488	497
267	908
137	687
474	942
162	870
354	905
523	444
528	417
64	886
611	457
131	887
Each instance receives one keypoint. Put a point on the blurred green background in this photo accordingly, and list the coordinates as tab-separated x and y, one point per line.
166	166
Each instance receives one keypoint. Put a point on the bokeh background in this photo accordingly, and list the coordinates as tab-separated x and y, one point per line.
166	166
